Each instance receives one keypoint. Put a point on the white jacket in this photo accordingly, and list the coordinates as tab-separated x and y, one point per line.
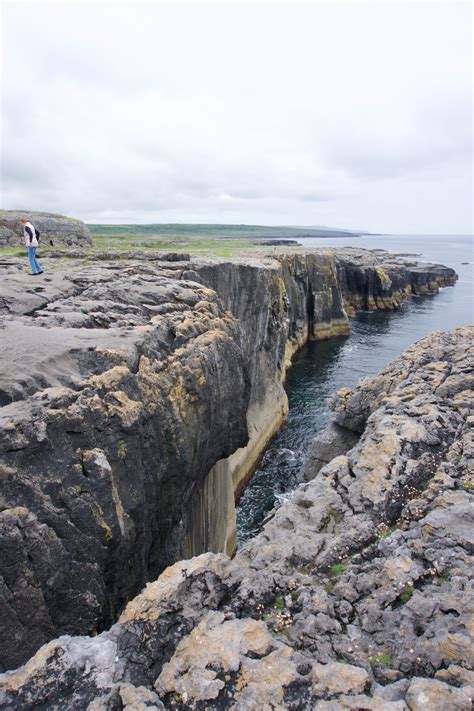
30	242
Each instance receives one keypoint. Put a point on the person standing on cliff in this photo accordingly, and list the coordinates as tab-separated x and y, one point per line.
31	237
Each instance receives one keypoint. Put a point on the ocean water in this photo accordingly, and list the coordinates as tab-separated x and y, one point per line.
321	368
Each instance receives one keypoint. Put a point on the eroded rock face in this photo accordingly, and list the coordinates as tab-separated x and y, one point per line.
115	411
58	228
356	595
135	398
386	281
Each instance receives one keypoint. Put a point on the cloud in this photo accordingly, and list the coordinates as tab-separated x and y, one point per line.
269	113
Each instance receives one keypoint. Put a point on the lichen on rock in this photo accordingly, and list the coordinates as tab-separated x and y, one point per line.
356	595
137	396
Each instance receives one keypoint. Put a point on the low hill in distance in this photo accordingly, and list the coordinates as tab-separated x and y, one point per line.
174	231
202	237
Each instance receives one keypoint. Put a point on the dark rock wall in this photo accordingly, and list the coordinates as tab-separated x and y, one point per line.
316	308
384	283
97	473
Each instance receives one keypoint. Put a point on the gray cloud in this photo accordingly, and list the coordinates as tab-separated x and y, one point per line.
270	113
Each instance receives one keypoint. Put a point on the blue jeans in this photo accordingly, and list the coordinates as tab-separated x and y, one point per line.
34	264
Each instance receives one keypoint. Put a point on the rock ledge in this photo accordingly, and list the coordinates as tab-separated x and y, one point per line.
356	595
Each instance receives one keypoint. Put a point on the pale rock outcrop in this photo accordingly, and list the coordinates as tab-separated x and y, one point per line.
58	228
431	694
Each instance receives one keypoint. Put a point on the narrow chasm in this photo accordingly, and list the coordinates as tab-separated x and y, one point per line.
317	371
114	467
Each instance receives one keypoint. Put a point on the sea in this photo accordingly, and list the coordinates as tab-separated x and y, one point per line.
319	369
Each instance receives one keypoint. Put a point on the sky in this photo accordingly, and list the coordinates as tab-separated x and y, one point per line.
352	115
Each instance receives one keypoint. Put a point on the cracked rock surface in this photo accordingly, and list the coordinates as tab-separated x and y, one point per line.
357	594
121	390
125	382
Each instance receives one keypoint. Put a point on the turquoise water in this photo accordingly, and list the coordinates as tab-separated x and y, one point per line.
321	368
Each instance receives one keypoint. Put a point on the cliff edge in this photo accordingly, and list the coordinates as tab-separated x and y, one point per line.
136	397
356	595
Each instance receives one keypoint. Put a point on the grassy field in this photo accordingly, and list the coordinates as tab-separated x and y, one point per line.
125	240
221	240
216	240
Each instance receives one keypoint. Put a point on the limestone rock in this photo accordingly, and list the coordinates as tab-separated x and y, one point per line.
217	648
136	397
128	698
121	664
379	544
435	695
113	397
61	229
335	678
327	608
333	441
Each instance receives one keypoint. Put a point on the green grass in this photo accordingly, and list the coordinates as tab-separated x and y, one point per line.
119	243
407	594
213	240
383	658
209	231
443	578
279	603
13	251
110	242
387	532
338	569
216	240
219	240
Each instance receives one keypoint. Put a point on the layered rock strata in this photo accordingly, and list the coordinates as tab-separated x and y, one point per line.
120	394
356	595
58	228
136	397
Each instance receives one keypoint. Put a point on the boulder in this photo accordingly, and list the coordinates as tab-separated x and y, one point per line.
58	228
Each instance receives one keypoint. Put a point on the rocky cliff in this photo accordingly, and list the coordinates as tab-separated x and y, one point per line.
136	397
356	595
58	228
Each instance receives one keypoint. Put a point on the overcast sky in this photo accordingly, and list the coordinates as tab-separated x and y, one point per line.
348	115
